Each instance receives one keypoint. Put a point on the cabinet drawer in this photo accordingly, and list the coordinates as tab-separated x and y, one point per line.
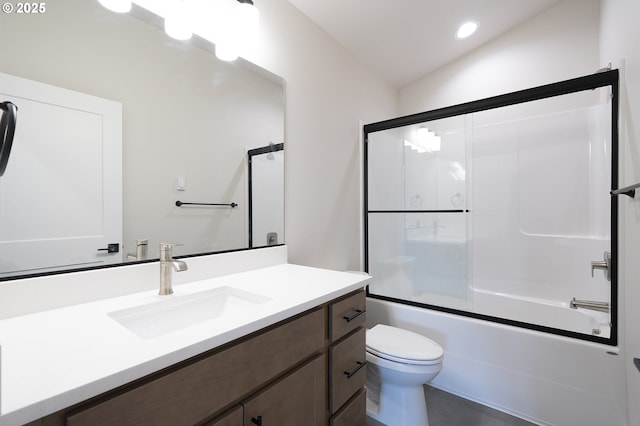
347	368
346	315
199	390
354	413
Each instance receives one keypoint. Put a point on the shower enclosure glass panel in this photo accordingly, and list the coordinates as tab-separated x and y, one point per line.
541	211
409	262
417	200
498	212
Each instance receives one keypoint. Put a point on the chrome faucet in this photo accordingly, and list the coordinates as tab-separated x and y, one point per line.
141	251
589	304
167	262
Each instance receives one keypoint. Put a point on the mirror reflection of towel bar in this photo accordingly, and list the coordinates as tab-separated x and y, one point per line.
629	191
180	203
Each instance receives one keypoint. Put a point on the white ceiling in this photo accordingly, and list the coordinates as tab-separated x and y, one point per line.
403	40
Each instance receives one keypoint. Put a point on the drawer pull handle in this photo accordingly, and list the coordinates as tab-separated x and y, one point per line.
350	374
257	420
354	316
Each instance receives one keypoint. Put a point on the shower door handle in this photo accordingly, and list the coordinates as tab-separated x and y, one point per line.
604	265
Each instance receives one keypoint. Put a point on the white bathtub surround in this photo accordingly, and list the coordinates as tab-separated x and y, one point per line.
543	378
60	356
544	312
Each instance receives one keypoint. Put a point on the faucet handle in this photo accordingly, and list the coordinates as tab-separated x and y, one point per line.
166	250
165	246
603	265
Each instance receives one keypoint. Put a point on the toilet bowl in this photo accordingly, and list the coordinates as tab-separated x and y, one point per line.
399	363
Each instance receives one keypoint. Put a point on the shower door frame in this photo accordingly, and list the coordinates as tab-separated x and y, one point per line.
250	187
589	82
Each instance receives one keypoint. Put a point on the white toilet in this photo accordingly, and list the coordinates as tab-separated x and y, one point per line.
400	362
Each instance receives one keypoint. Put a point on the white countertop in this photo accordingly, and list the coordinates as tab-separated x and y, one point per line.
56	358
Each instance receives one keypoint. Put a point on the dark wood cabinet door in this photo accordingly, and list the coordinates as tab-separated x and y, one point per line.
231	418
354	413
347	368
298	399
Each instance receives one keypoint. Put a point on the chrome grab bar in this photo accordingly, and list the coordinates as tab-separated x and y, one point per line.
589	304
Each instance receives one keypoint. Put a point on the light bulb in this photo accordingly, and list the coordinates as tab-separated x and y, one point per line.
247	24
466	29
177	22
226	52
119	6
428	139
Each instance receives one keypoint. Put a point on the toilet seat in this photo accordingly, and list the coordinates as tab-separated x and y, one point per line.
402	346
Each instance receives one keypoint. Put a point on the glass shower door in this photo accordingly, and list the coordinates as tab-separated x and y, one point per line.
500	209
417	217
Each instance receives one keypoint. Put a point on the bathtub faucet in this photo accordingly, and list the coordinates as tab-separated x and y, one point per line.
589	304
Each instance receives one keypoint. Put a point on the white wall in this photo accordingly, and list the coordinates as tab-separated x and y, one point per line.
619	45
558	44
328	93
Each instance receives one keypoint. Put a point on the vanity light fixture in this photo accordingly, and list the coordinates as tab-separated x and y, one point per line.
414	147
467	29
428	139
226	52
231	25
425	141
177	21
248	20
119	6
239	32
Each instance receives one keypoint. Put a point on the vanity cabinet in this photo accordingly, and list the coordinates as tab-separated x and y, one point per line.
347	360
233	418
292	373
297	399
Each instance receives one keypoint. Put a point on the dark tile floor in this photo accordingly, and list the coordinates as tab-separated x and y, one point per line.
446	409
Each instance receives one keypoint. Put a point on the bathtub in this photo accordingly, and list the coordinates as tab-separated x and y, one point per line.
544	378
547	313
543	312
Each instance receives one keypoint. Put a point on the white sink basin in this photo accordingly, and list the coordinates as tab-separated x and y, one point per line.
178	312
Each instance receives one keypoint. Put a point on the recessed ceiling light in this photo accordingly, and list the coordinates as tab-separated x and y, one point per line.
466	29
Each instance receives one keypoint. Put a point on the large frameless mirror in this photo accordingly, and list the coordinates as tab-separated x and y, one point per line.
501	209
126	138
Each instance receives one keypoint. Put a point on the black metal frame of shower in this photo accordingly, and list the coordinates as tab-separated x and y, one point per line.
250	154
589	82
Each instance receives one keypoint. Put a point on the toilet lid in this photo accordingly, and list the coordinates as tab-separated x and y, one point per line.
402	345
